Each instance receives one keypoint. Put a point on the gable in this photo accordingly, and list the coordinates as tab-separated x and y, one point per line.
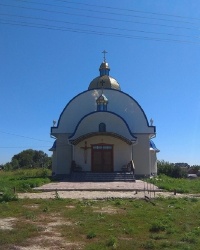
119	103
113	125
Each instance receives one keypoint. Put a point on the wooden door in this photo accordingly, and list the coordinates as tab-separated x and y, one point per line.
102	158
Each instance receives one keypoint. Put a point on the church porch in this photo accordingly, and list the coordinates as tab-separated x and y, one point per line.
102	154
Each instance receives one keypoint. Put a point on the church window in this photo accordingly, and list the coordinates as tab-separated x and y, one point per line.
102	127
102	107
102	147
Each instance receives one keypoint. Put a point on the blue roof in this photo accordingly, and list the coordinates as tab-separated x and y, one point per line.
153	146
53	148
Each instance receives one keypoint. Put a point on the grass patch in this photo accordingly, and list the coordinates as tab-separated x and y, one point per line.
8	195
91	235
112	242
181	185
139	226
23	180
18	235
173	223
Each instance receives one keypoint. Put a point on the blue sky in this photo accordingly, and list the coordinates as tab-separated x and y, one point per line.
50	51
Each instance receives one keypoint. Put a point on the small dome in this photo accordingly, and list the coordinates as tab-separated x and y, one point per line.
104	65
102	99
104	80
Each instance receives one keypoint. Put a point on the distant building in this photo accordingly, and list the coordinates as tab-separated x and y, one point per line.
182	164
103	129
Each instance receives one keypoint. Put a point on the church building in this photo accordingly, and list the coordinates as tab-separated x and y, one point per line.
104	130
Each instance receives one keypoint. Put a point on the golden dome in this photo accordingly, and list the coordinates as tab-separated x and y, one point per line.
104	65
104	80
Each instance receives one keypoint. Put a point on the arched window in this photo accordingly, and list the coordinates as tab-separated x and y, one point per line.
102	127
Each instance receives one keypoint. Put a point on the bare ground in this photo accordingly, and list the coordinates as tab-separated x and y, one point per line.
100	194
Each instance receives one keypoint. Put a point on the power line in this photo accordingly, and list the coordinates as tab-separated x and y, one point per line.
104	12
26	137
25	147
61	28
95	32
63	144
103	18
129	10
97	26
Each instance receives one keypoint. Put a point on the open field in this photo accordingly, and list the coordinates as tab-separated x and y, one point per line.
57	222
167	223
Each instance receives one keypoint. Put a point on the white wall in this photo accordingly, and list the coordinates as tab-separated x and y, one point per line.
64	155
54	162
144	160
141	156
114	124
153	158
122	152
118	102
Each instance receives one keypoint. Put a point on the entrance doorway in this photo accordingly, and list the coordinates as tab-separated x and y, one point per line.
102	158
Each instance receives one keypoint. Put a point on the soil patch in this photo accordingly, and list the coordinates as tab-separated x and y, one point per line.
7	223
108	210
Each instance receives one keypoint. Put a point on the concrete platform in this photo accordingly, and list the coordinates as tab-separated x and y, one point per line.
138	185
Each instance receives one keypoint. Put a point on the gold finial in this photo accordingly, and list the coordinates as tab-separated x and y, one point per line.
104	57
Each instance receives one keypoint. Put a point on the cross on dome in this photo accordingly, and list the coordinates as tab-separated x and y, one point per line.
102	85
104	56
104	81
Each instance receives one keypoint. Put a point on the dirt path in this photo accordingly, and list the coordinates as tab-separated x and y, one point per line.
100	195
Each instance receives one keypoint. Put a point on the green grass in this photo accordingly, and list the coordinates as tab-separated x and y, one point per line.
171	223
110	224
23	180
26	179
181	185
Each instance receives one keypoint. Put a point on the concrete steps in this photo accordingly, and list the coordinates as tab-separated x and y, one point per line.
101	177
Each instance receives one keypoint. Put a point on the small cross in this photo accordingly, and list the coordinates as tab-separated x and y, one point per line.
102	82
104	57
85	148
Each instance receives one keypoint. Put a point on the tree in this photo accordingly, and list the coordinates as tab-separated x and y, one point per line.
7	166
25	158
15	164
41	158
170	169
30	159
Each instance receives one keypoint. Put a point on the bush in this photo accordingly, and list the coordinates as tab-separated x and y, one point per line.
44	172
112	242
148	245
157	226
170	169
7	195
190	238
91	235
23	180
